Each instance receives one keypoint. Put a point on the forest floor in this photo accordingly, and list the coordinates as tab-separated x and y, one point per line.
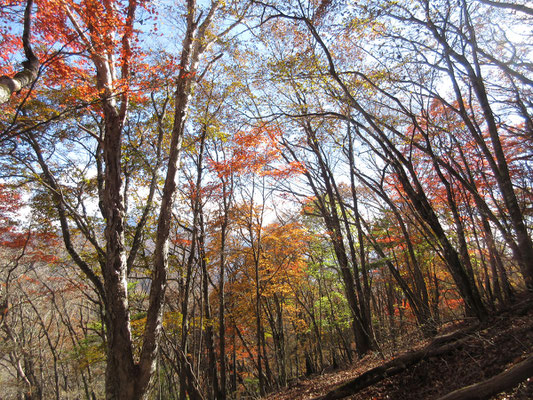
499	344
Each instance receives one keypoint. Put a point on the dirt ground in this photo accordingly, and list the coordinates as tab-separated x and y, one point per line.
503	341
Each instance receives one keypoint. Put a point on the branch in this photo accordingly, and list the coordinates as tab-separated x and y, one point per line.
512	6
28	75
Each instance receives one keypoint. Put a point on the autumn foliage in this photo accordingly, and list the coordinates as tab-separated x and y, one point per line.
209	200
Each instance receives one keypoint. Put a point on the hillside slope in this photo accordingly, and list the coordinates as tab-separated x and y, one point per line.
479	353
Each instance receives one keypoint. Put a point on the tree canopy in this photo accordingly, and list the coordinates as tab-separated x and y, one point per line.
212	198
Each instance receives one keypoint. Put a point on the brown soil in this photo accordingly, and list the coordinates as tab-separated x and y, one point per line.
497	345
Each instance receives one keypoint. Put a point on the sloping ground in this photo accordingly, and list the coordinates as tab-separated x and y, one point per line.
479	354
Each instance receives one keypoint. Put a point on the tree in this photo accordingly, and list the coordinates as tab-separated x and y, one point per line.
104	34
246	188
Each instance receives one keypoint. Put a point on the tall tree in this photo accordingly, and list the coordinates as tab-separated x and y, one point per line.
104	33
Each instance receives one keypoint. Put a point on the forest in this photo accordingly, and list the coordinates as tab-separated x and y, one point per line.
212	199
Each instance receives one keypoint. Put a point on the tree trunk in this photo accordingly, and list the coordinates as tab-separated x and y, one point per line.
226	198
210	343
